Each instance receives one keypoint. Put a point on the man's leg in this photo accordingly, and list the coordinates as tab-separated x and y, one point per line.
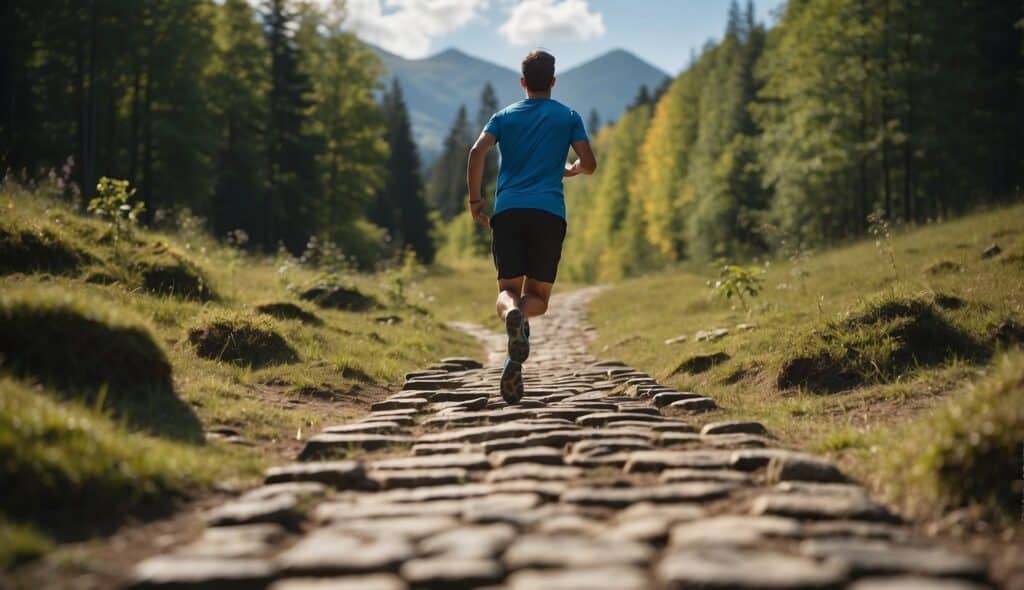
536	294
509	296
508	306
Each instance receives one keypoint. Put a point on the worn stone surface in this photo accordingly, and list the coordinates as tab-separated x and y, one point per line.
600	478
202	573
738	569
368	582
590	578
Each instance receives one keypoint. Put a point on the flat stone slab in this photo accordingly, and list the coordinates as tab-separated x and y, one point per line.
280	509
533	550
913	583
753	459
535	456
607	446
327	552
732	531
369	582
340	474
590	578
299	489
660	400
242	541
382	427
721	475
734	427
533	471
333	445
414	403
653	461
460	460
449	572
619	497
820	507
480	434
477	541
606	418
425	449
414	478
695	405
412	528
873	557
739	569
202	573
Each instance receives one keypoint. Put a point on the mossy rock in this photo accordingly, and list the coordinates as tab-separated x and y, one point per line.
92	352
877	343
25	250
164	271
700	363
332	296
69	343
284	310
242	341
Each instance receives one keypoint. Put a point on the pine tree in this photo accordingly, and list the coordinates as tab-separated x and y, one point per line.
292	175
447	188
488	106
238	84
593	122
399	207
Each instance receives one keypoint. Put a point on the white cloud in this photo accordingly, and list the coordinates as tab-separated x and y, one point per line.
406	27
536	21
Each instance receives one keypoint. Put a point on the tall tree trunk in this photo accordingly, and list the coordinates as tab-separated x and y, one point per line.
908	143
886	180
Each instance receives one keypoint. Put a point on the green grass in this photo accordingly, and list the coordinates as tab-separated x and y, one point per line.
893	336
966	453
96	331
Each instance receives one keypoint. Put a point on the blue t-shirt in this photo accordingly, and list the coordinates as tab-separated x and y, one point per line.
534	136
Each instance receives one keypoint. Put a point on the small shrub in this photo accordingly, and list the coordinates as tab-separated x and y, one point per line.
288	311
877	343
26	250
238	340
332	296
969	452
163	271
740	282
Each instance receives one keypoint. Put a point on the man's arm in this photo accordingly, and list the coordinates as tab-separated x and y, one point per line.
475	176
586	163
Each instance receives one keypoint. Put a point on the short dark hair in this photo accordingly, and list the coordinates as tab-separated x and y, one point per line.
539	70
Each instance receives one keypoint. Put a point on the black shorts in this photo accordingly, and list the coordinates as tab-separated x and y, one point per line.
527	242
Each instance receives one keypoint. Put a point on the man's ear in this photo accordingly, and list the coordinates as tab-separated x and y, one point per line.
553	80
522	82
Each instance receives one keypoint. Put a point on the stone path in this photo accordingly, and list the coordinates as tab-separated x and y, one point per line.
600	478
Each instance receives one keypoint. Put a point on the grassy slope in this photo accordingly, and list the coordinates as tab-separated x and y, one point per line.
798	302
343	363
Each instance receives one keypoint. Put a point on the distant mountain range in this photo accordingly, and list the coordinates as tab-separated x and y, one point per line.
434	88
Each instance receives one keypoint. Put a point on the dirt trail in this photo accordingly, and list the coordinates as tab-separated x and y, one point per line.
600	478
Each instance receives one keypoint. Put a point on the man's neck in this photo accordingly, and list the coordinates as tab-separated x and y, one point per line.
532	94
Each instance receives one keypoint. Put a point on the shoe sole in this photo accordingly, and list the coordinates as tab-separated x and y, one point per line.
518	345
512	382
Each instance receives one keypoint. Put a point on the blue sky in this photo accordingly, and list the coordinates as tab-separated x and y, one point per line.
662	32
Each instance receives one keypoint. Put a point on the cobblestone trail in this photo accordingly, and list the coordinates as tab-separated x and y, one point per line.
600	478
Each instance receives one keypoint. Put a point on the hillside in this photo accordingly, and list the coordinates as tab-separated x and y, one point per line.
141	370
891	345
435	87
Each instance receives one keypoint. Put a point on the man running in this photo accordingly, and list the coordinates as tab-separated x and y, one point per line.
528	224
